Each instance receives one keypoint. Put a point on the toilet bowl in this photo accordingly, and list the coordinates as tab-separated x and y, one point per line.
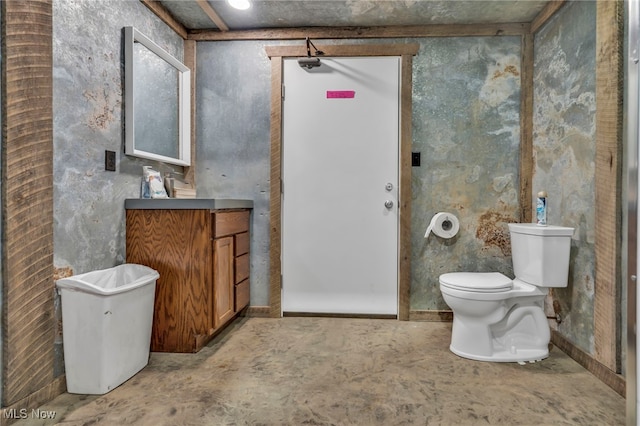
499	319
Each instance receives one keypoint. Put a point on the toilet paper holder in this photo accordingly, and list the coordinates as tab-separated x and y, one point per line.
447	225
443	225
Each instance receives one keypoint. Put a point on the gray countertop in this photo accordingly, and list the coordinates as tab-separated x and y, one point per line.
186	203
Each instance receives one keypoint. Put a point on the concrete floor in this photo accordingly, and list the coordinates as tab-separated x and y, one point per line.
333	371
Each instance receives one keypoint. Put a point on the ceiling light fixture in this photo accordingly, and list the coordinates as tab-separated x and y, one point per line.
239	4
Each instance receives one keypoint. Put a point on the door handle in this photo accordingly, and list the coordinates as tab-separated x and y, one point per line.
388	204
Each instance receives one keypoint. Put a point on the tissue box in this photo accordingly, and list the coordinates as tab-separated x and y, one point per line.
183	193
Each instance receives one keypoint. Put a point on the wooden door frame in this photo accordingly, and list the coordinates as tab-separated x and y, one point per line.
406	53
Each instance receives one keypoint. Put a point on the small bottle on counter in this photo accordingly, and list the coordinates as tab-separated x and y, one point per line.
168	184
541	208
144	183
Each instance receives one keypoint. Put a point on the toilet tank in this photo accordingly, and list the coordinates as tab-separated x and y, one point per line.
540	254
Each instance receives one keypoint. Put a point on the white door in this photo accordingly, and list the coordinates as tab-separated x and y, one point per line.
339	168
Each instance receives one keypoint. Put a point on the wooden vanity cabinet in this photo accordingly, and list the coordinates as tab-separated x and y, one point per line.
223	281
235	225
202	257
241	262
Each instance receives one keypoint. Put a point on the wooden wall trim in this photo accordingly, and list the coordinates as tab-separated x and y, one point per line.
608	180
257	312
416	31
602	372
432	316
404	240
406	142
28	324
275	200
166	17
337	50
549	10
526	130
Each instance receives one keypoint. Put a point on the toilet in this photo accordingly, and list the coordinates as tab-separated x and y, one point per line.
499	319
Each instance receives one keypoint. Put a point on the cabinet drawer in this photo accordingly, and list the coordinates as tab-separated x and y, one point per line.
242	268
242	295
228	223
242	243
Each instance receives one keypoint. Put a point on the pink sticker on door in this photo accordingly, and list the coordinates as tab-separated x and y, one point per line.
341	94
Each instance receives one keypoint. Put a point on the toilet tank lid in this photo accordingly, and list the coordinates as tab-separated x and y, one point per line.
477	281
545	231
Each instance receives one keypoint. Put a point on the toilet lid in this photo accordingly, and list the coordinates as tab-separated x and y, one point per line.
485	282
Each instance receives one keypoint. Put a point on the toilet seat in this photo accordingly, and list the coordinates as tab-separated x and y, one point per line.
477	282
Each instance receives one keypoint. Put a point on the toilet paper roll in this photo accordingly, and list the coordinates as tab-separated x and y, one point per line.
444	225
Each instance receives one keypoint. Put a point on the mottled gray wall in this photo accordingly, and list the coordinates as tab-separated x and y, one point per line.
564	152
88	81
233	127
466	124
88	72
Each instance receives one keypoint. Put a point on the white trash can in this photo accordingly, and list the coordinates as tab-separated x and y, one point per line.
106	326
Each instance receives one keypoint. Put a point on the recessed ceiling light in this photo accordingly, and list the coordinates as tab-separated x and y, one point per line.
239	4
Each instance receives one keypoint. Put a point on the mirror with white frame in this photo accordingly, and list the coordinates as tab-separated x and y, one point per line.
157	102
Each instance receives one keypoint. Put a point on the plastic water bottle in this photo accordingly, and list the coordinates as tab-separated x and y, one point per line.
541	208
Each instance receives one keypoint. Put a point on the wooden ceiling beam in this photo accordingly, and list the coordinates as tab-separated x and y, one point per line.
213	15
509	29
545	14
166	17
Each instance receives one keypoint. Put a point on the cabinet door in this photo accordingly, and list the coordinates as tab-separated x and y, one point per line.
176	243
223	280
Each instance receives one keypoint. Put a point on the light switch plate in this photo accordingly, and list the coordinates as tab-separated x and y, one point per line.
110	161
415	159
